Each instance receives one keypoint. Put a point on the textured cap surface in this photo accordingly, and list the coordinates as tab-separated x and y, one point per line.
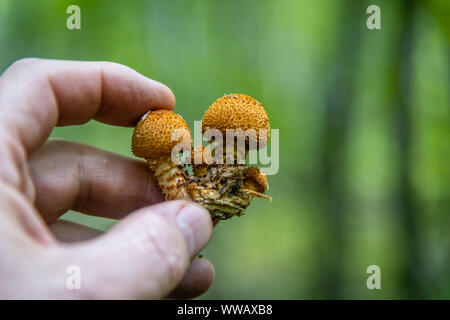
237	111
152	137
255	179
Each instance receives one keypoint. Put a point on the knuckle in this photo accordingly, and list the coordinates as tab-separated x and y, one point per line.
24	69
12	202
22	63
13	158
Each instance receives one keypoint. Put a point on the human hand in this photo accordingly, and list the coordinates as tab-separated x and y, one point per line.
150	253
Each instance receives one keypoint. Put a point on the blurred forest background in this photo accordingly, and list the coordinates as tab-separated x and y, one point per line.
364	120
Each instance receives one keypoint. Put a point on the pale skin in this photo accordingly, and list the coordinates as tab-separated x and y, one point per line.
152	252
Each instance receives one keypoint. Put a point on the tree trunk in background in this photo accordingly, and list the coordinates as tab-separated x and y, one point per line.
333	191
407	209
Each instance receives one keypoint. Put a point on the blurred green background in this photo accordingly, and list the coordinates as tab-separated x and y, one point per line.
364	120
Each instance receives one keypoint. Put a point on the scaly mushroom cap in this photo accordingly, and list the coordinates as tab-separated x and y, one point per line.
238	111
152	137
255	179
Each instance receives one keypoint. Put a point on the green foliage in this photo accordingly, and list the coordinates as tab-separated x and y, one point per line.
340	98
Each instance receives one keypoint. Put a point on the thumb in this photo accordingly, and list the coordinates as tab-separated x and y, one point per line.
146	254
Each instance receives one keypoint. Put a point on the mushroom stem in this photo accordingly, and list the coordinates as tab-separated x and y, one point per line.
170	178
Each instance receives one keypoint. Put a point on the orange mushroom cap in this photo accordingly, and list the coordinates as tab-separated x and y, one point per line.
152	137
255	179
238	111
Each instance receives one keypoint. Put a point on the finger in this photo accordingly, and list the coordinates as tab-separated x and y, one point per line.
68	231
37	94
69	175
146	254
197	280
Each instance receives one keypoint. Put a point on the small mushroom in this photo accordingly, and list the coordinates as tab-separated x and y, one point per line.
255	179
243	114
255	182
228	188
224	189
153	139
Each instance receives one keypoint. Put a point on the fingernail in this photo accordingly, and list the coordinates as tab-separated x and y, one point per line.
195	223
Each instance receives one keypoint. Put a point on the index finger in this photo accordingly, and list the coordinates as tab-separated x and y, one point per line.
38	94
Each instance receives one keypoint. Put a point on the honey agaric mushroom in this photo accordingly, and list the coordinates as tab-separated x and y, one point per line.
255	182
153	140
224	189
255	179
241	113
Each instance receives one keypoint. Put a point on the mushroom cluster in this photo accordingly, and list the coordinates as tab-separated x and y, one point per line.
219	178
